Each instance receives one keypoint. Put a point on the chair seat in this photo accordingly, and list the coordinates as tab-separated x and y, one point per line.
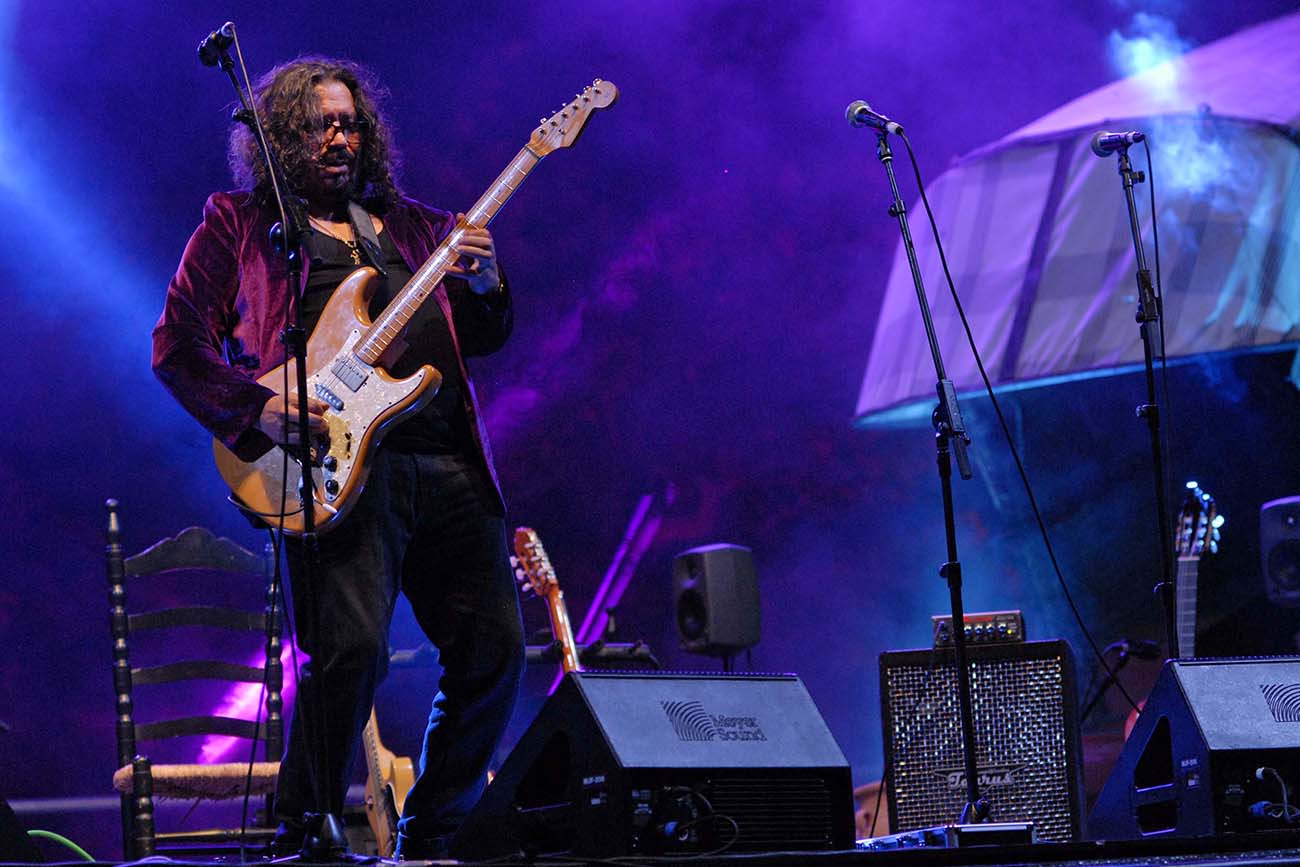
225	780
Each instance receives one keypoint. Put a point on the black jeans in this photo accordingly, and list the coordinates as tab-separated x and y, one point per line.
428	525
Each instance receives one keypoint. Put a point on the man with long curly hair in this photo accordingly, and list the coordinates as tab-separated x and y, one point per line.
430	520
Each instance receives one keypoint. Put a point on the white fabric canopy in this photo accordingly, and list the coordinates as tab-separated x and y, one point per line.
1037	234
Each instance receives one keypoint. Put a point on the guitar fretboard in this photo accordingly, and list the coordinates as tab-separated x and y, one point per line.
393	321
1185	605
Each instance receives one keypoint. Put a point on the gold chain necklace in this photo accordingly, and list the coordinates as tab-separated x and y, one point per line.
351	243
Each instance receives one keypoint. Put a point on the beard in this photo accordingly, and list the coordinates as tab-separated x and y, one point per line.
334	178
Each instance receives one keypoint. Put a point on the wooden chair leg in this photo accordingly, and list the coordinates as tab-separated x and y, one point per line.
142	824
128	823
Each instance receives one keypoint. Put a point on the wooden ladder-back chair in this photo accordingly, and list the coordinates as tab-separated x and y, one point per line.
193	554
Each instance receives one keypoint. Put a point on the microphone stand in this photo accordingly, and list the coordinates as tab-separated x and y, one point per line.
1148	318
950	436
324	838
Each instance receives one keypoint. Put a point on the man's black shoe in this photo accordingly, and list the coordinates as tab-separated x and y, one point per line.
422	848
288	839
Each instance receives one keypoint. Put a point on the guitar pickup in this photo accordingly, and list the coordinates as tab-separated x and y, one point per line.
349	372
324	393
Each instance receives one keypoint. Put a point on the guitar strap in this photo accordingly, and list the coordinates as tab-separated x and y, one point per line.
363	228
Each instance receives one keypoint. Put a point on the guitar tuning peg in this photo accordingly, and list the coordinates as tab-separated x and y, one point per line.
1214	546
514	562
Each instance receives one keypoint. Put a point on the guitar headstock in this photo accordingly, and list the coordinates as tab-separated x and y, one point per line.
562	129
532	566
1197	530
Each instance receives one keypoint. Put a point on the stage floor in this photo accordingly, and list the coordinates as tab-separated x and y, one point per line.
1270	849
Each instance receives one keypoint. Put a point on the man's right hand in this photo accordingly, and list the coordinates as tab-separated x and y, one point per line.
279	419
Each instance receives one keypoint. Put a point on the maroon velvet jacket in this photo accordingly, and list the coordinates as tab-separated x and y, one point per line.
220	326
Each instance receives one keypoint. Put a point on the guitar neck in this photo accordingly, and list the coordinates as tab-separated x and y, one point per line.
393	321
1185	605
562	630
373	747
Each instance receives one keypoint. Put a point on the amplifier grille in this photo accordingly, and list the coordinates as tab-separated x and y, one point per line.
773	813
1024	725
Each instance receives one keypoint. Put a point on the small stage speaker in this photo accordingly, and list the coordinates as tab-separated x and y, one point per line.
1209	754
1279	548
667	764
715	599
1026	728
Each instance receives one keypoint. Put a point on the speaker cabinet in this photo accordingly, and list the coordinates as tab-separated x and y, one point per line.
1194	764
1279	538
667	764
15	845
715	599
1026	728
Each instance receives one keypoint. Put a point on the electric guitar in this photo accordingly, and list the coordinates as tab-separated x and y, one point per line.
1196	535
348	356
534	571
388	778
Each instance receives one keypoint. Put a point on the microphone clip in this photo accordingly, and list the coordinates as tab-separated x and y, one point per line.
214	50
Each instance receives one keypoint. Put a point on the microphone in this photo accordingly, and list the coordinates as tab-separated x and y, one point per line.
216	42
860	114
1106	143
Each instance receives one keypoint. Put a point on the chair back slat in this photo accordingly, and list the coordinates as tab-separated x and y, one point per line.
196	669
199	725
194	548
199	615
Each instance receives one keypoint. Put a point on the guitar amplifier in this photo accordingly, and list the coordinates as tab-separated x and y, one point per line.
1026	729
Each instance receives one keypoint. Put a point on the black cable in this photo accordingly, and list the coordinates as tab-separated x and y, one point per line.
1006	431
880	797
276	595
1288	813
252	760
911	720
290	628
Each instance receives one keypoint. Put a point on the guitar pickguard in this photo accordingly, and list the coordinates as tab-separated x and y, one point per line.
364	401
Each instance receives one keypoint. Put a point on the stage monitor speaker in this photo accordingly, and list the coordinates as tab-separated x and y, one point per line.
667	764
15	844
715	598
1026	727
1279	538
1205	757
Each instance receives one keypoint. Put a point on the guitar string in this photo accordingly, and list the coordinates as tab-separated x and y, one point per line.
436	266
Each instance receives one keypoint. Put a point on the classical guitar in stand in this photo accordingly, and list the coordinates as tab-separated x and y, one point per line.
388	778
348	358
534	571
1195	536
